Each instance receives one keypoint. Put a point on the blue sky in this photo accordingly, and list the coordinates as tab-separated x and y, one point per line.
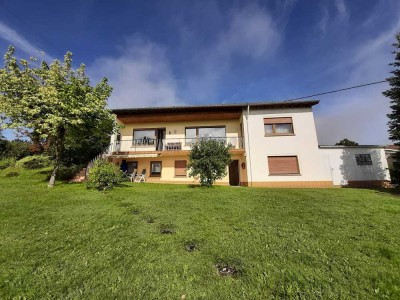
203	52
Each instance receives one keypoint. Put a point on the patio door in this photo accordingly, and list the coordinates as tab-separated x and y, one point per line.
132	165
160	139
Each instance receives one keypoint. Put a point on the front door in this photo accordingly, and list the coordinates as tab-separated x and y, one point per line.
234	173
160	139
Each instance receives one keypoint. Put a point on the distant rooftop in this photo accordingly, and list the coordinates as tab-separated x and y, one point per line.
215	107
341	146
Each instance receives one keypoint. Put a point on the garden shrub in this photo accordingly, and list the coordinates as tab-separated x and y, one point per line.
17	149
67	172
104	175
12	174
7	162
34	162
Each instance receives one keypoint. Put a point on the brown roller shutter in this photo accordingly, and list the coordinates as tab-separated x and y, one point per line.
278	120
283	165
180	168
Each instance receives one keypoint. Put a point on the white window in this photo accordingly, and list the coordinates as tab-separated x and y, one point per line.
155	168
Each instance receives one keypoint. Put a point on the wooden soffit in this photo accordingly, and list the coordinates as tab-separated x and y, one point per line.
179	117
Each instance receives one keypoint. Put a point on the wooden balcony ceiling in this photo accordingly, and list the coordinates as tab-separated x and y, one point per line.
179	117
138	154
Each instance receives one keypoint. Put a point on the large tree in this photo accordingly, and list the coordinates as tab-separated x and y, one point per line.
50	99
394	95
209	159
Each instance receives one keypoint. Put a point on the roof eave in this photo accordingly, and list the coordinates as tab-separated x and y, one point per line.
216	107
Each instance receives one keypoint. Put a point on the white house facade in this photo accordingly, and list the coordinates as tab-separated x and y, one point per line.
357	166
274	144
293	144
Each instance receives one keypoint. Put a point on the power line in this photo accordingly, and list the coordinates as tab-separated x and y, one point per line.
335	91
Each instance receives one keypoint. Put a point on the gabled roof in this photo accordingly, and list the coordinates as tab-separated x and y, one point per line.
214	107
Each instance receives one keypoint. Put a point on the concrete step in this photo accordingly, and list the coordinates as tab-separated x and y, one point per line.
79	176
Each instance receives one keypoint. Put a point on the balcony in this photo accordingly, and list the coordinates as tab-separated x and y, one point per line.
150	145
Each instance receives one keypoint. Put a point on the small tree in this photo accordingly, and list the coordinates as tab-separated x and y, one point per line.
394	117
50	99
209	159
346	142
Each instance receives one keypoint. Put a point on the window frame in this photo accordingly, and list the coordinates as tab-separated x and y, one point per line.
150	142
151	168
274	133
196	138
366	161
284	174
175	168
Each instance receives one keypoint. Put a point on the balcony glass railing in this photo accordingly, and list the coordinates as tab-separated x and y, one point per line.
168	144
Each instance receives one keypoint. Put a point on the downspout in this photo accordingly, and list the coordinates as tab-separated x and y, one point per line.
248	145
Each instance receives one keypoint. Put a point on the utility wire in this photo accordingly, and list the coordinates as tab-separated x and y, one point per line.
335	91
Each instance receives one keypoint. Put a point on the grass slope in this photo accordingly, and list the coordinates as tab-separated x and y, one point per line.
69	242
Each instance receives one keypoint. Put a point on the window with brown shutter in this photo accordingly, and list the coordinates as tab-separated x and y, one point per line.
283	165
180	168
278	126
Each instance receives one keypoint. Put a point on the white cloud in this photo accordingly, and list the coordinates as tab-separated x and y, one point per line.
341	9
359	114
140	75
323	23
14	38
251	33
333	15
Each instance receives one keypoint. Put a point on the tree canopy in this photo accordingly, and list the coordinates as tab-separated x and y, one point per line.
394	94
394	116
50	100
209	159
346	142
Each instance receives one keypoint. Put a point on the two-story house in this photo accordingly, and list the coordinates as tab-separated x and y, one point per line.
274	144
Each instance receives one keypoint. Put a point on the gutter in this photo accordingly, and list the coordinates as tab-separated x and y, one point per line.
248	145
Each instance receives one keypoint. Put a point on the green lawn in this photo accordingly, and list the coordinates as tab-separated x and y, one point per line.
69	242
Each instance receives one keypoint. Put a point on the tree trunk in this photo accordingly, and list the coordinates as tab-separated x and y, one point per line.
59	151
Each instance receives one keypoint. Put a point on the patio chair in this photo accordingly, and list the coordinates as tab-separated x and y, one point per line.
141	177
132	176
174	146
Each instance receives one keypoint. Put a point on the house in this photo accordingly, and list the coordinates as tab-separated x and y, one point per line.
274	144
357	166
391	152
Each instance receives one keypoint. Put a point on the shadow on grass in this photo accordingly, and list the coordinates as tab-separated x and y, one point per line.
124	185
388	191
68	182
193	186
